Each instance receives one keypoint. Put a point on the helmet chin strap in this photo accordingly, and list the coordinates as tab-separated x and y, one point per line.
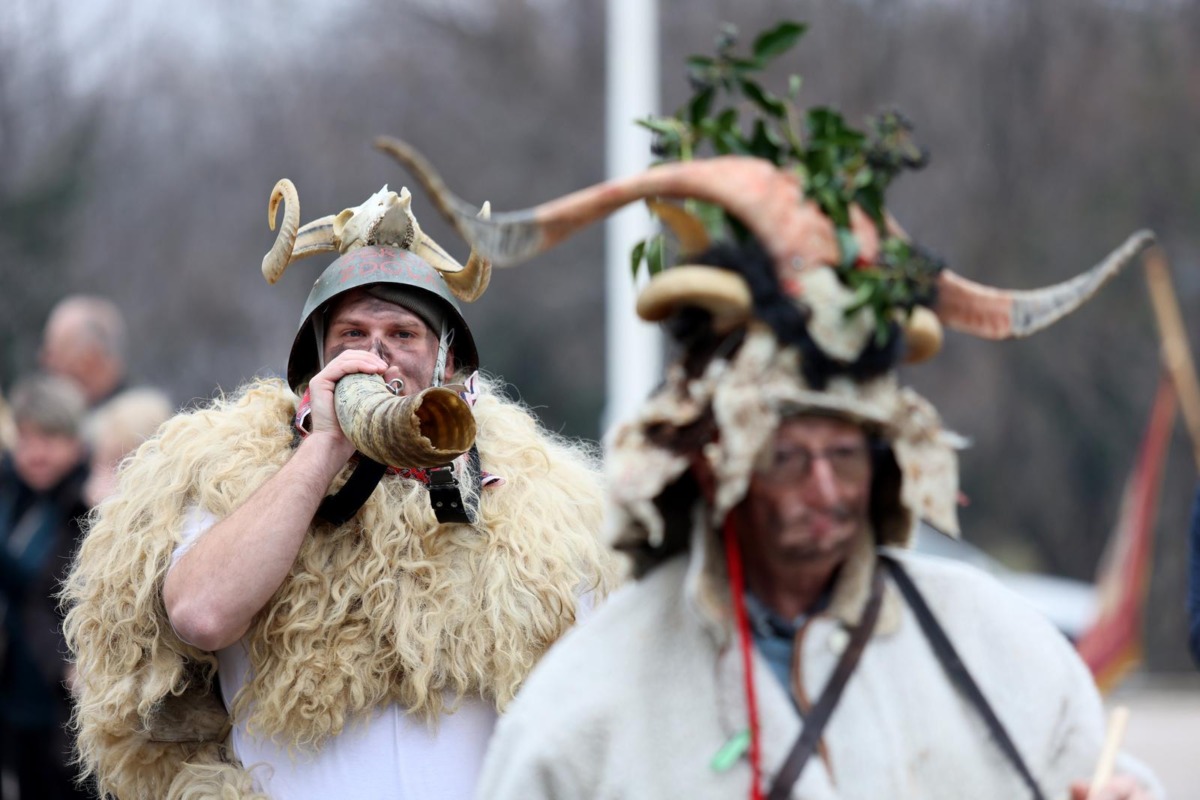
439	366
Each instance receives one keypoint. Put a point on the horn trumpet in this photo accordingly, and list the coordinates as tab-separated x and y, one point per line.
427	429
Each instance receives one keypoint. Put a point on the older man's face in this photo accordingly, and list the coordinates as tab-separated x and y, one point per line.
810	500
66	349
361	321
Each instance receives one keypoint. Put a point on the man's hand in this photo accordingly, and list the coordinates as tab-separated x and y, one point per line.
217	587
1122	787
320	388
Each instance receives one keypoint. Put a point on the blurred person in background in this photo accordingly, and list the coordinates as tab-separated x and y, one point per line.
41	505
8	432
84	340
115	430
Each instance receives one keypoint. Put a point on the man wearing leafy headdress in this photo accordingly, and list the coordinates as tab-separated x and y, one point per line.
780	640
330	587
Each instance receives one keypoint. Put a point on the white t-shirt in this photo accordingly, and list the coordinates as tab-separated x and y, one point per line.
387	755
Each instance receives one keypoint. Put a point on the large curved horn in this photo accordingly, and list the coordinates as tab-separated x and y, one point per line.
991	313
722	293
277	260
767	200
428	429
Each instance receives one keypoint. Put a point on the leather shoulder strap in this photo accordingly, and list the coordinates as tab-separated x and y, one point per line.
956	670
337	508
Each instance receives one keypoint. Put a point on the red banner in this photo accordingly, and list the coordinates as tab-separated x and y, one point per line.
1112	646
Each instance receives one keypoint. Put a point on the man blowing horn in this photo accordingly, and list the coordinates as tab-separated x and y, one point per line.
364	562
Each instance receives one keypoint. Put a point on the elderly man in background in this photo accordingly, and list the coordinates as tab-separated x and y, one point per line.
85	341
363	563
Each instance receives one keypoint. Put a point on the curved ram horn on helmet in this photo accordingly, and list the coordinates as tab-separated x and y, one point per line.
427	429
469	282
722	293
991	313
293	243
276	261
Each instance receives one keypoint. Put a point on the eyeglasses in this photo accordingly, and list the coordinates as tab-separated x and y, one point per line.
848	462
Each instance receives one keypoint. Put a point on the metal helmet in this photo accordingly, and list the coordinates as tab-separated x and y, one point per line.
368	266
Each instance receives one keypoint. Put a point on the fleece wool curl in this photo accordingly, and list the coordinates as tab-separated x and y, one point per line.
389	607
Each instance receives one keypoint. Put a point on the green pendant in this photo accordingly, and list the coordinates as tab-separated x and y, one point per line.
731	751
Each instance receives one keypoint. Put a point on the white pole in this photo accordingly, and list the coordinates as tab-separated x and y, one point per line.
633	349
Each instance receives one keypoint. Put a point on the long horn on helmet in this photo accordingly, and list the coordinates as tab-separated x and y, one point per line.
293	243
991	313
469	282
427	429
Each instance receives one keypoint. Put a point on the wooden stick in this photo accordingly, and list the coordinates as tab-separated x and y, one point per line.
1176	354
1112	744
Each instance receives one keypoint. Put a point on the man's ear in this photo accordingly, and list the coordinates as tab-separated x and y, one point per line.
449	363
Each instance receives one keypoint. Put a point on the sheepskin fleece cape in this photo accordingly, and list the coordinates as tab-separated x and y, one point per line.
637	701
389	607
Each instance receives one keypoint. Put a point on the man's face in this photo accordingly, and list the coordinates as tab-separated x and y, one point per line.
359	321
43	459
809	501
64	349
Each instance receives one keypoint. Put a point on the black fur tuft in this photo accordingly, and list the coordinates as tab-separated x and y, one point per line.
692	327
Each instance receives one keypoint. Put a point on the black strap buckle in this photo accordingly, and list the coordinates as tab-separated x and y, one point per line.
446	497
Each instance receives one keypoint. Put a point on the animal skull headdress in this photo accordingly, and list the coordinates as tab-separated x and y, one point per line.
744	389
385	218
383	250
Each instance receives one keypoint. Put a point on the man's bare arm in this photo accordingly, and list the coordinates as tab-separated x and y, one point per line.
216	588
